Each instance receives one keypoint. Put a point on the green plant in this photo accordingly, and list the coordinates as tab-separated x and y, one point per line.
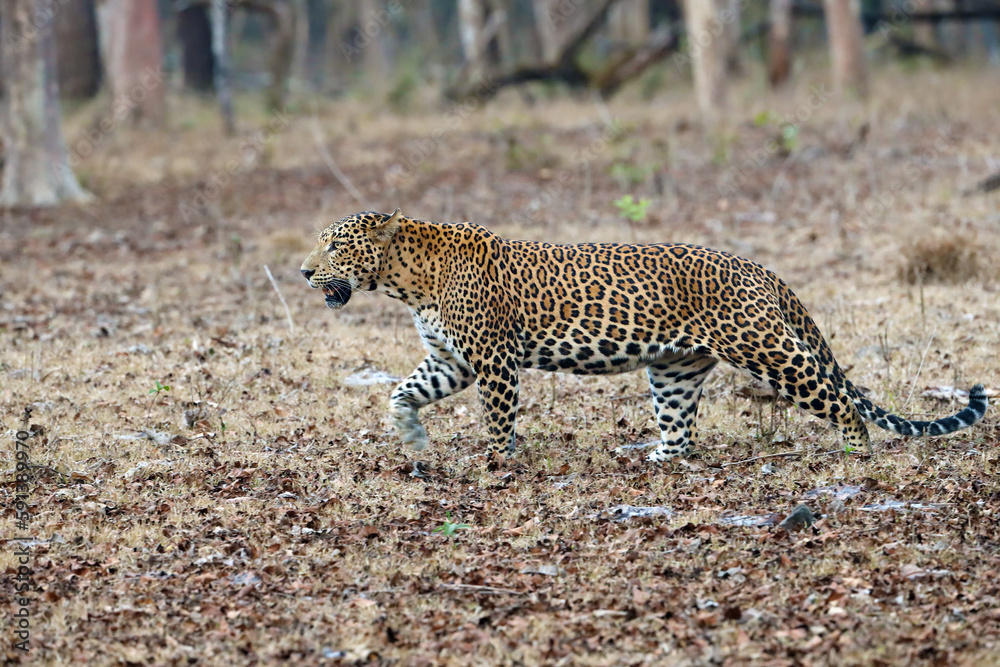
722	148
763	118
154	393
632	209
158	388
449	528
403	90
788	139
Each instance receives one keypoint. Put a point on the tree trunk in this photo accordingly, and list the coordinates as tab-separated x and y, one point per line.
134	62
548	32
344	45
283	15
843	24
300	56
991	41
194	31
220	58
373	56
284	19
953	34
485	37
78	61
316	22
779	52
499	47
471	21
426	30
925	34
707	42
732	22
628	22
37	169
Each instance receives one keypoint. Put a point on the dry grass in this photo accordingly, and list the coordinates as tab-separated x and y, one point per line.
941	257
275	521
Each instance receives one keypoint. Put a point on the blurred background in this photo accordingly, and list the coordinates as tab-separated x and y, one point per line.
170	65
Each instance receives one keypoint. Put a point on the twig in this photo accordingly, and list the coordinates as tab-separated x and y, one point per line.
598	613
766	456
913	384
627	397
480	589
288	313
317	132
62	476
780	455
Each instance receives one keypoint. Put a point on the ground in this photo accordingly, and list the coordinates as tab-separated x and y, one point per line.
213	480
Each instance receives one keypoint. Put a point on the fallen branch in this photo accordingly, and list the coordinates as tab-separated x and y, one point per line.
564	68
873	17
798	452
660	43
988	184
480	589
630	396
765	456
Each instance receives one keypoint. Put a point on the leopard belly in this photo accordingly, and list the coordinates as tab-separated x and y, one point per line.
601	357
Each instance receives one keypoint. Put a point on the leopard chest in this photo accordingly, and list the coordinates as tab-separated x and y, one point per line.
437	339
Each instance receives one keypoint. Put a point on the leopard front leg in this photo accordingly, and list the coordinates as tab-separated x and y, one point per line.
498	392
435	378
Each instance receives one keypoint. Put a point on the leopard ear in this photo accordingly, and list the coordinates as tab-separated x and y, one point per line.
386	229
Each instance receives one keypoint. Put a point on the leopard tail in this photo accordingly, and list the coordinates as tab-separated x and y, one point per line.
805	328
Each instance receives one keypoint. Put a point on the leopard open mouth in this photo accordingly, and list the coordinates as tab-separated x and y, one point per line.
337	293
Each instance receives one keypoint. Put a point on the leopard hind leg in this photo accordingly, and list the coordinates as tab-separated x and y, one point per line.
676	383
795	373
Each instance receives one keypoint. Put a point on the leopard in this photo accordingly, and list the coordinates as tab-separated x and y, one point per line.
487	307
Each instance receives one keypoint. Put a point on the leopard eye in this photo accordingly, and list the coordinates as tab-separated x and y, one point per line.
334	245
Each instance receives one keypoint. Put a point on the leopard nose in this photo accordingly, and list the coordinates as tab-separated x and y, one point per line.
308	273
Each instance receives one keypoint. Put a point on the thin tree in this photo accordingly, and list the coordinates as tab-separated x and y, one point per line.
779	52
133	60
221	57
546	29
628	22
426	31
283	17
471	21
36	163
78	62
301	45
708	44
286	19
194	31
847	54
925	34
732	25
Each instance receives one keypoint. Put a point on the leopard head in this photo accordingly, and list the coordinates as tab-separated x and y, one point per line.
348	255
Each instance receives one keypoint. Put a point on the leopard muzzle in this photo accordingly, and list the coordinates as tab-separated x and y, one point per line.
337	293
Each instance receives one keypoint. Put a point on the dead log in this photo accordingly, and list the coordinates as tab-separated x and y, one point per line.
560	60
